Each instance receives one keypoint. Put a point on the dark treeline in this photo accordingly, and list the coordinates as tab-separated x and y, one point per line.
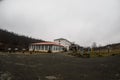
110	46
114	46
13	40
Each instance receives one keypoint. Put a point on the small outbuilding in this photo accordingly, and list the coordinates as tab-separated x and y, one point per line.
46	47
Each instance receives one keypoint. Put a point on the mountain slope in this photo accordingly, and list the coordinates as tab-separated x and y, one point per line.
12	40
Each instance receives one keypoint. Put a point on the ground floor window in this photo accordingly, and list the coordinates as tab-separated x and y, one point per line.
46	48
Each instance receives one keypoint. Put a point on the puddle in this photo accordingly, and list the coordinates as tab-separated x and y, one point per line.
19	64
35	65
51	77
103	65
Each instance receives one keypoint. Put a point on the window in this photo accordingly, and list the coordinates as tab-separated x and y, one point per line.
42	47
46	47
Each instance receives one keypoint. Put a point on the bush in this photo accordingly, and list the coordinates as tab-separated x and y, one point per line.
49	51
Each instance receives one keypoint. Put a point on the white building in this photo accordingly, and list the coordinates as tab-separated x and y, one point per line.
64	42
46	47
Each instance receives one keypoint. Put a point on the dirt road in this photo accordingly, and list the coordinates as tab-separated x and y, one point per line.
58	67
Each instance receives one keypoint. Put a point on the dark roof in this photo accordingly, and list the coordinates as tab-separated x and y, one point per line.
62	39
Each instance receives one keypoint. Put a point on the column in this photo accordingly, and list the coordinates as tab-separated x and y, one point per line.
53	48
40	47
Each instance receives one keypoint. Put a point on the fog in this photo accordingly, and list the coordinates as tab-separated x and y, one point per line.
80	21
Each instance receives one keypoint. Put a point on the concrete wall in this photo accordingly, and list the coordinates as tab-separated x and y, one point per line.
65	43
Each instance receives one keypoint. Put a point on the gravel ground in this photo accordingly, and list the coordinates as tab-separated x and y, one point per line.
58	67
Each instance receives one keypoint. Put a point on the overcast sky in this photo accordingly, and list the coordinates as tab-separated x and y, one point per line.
80	21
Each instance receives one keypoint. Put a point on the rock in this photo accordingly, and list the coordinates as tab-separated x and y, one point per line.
6	76
117	74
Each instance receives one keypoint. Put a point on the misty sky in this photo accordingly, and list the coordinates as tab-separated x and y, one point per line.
80	21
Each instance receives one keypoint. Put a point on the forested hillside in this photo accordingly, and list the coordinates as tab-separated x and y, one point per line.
13	40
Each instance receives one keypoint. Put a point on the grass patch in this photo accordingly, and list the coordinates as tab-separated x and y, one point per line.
94	54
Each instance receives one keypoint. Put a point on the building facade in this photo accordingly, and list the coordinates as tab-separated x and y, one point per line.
64	42
46	47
